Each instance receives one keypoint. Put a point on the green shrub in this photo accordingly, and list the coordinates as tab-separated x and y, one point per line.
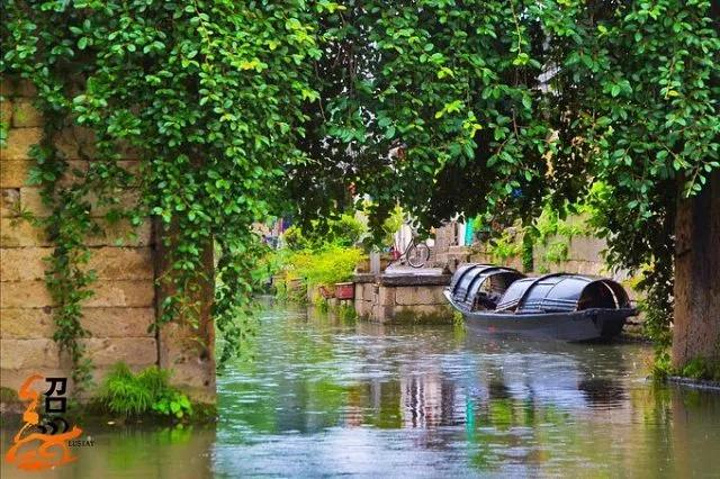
392	224
172	403
8	395
299	270
148	392
662	365
557	252
551	223
347	314
333	264
295	239
528	261
702	368
505	247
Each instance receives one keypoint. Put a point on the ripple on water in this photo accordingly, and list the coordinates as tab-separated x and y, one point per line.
322	398
449	402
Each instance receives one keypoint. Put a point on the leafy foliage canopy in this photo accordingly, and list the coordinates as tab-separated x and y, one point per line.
246	109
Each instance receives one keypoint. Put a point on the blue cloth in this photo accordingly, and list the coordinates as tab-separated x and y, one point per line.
469	233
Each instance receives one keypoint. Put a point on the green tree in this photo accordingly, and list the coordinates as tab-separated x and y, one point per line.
500	106
247	108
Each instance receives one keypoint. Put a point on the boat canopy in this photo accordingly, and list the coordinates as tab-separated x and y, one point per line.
476	286
562	292
480	286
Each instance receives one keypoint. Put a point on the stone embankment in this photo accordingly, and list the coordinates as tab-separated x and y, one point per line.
403	295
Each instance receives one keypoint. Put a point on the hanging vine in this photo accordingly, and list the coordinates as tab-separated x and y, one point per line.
243	109
210	94
66	191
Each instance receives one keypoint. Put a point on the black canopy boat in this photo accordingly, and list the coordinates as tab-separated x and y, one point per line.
564	306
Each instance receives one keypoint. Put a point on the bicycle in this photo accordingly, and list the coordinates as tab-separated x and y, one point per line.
415	254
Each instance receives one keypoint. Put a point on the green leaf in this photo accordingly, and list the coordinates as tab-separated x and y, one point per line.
527	102
521	59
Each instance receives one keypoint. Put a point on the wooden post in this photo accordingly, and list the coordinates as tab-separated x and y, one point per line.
696	330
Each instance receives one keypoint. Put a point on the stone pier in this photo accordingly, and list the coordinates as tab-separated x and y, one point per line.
696	331
403	295
126	261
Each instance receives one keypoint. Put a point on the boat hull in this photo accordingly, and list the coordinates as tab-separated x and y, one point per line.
585	325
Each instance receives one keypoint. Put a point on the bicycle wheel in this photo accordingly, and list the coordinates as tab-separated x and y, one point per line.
418	254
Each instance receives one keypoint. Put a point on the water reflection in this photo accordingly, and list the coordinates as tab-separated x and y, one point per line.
324	397
446	401
130	452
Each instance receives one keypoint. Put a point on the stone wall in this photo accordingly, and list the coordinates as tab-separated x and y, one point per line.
124	304
584	255
696	331
402	298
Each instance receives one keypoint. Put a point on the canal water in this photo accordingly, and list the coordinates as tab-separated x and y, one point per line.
318	396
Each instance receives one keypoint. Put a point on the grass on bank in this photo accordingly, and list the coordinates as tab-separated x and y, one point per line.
147	393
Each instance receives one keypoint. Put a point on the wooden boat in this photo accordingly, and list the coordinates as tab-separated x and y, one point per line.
563	306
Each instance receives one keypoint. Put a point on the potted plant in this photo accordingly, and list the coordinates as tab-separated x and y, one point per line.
345	290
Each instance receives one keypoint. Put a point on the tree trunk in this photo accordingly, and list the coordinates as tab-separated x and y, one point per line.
696	330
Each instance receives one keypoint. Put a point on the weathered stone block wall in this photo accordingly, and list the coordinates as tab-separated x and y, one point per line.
402	298
119	314
696	331
445	237
584	255
366	290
